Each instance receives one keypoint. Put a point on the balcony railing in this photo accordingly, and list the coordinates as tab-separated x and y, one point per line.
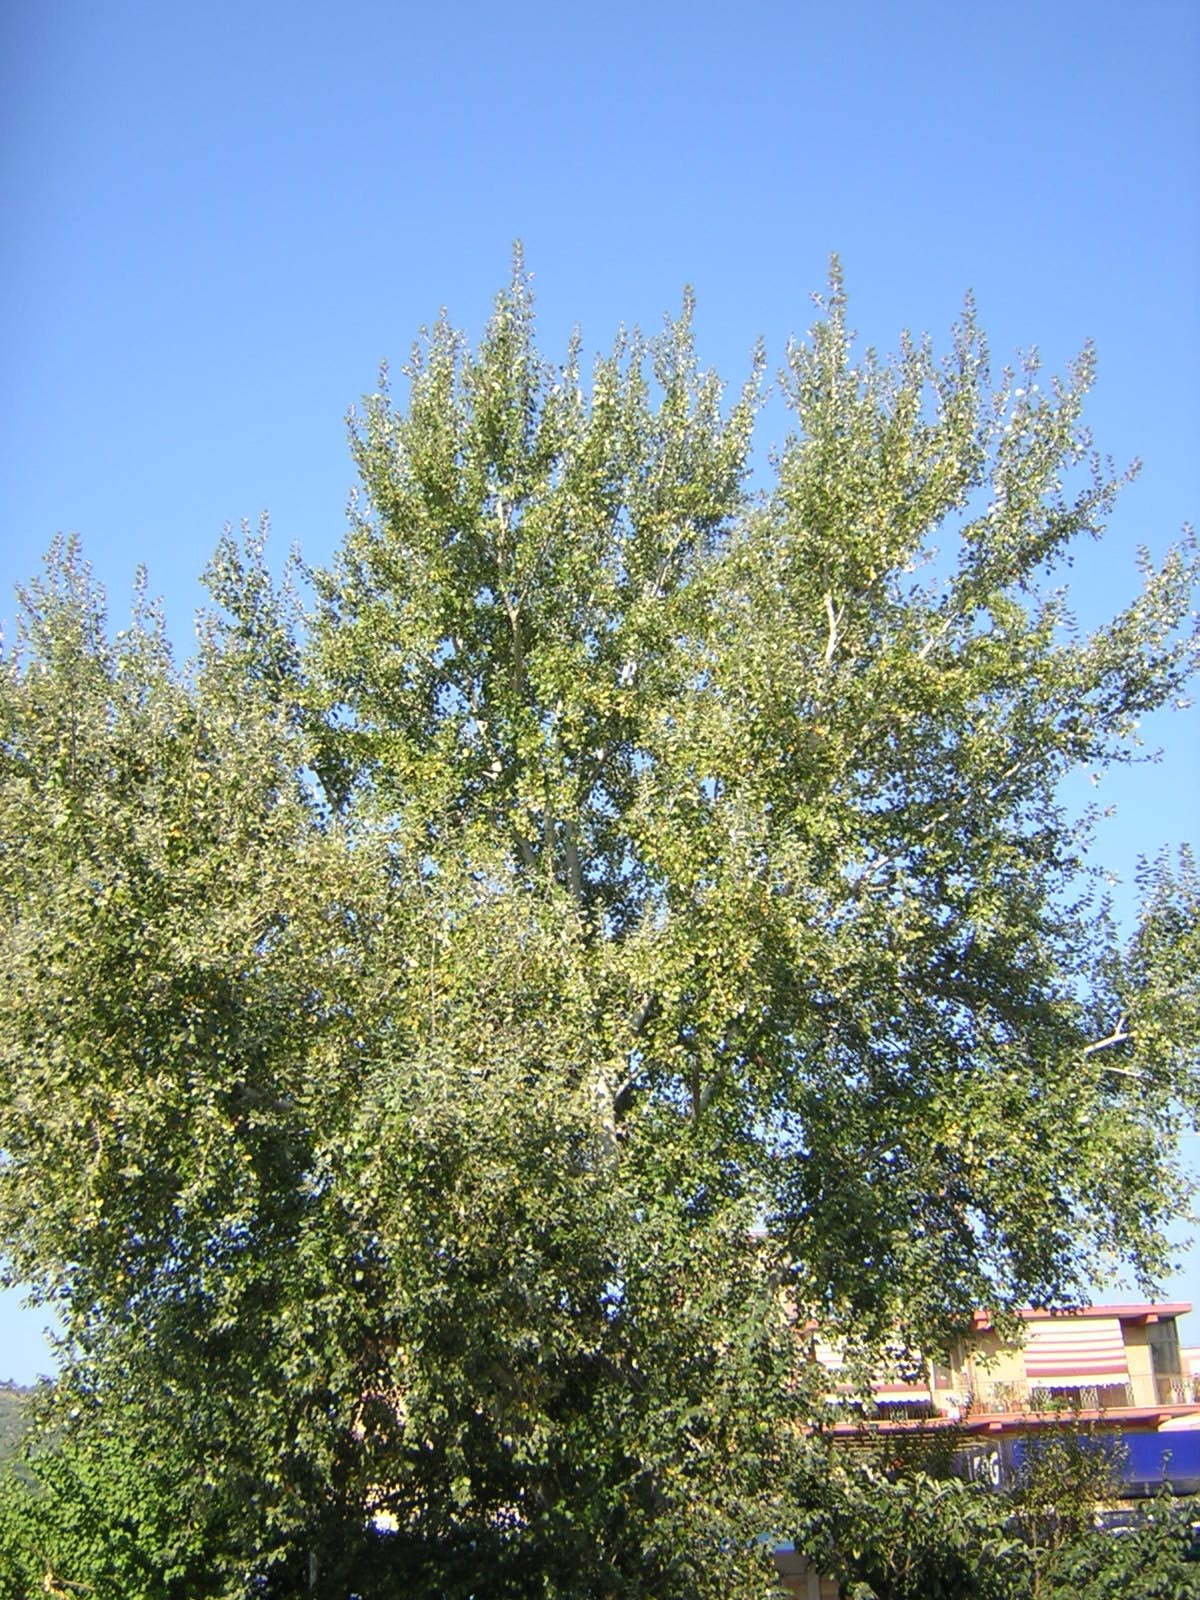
1177	1390
1053	1398
1050	1399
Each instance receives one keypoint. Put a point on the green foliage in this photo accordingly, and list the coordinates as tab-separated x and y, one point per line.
1068	1472
901	1532
101	1518
1156	1558
415	1006
906	1536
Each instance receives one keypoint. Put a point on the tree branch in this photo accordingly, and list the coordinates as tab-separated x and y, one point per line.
1119	1035
574	867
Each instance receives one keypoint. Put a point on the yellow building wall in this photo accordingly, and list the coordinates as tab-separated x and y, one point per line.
1141	1368
993	1363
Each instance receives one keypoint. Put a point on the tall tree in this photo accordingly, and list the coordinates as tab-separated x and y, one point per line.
455	1033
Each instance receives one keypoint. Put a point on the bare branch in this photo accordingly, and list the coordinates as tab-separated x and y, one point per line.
1119	1035
570	832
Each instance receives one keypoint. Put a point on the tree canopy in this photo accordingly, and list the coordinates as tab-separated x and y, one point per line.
459	1023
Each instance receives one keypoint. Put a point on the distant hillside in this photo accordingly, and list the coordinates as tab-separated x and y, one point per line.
12	1419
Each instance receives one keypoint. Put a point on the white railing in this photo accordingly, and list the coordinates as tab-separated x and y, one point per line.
1041	1400
1177	1389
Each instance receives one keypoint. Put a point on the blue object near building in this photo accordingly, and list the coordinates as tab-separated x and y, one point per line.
1148	1462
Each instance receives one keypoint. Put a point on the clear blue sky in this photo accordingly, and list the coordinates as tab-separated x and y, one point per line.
219	218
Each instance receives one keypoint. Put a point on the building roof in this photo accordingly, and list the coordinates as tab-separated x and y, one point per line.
1141	1311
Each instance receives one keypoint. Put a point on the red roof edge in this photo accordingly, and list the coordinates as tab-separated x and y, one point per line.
1143	1311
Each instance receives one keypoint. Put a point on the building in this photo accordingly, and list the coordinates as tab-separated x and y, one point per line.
1119	1364
1116	1368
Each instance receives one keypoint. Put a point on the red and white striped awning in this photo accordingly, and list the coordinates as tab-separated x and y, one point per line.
894	1391
1074	1351
886	1386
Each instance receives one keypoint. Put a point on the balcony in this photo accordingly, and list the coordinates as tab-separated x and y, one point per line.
1021	1398
1177	1390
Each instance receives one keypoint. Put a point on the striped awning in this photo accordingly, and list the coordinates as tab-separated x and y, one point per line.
1074	1351
895	1391
886	1386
